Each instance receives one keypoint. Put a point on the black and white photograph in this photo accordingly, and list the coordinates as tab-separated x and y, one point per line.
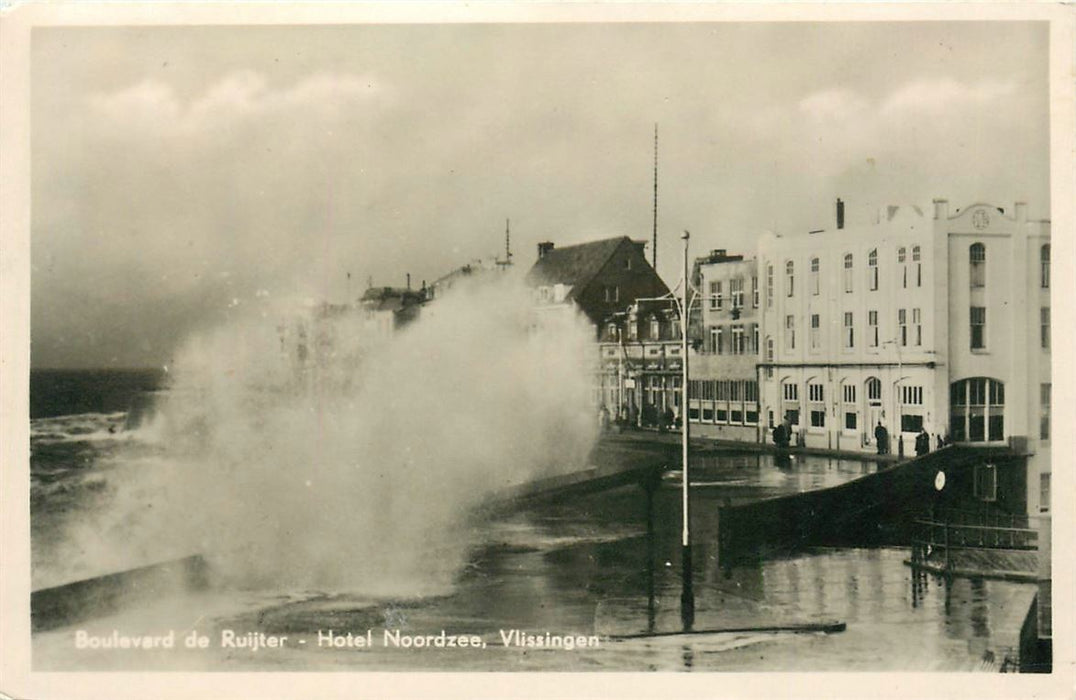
629	339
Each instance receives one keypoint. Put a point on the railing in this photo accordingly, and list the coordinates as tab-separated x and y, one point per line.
951	535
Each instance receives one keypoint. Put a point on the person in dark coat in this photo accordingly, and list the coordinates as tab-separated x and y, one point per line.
922	443
881	437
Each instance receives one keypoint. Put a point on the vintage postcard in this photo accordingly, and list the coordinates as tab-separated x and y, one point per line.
446	348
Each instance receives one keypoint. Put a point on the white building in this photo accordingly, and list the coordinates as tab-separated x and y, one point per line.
914	322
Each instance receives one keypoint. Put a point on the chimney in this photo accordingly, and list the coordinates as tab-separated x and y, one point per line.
941	209
544	248
840	213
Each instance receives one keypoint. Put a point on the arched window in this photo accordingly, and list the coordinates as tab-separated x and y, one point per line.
872	269
977	258
1044	263
790	405
977	410
848	272
814	276
816	397
790	278
848	405
874	389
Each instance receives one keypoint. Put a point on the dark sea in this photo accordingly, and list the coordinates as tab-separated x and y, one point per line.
588	565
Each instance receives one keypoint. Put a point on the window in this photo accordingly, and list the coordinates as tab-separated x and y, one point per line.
902	325
790	278
611	332
849	393
977	256
874	389
911	395
1044	492
848	273
754	291
872	330
738	340
849	420
769	286
715	340
872	270
814	276
1044	412
978	328
917	321
633	330
754	339
736	292
986	482
816	395
902	256
790	332
1044	263
918	267
612	294
816	331
977	410
1044	327
627	263
655	328
791	391
769	356
716	299
849	331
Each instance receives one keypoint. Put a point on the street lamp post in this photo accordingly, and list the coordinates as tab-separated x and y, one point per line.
687	594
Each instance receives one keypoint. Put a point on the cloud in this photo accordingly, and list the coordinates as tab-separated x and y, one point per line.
927	98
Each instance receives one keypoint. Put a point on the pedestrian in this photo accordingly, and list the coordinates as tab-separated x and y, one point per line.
922	443
881	437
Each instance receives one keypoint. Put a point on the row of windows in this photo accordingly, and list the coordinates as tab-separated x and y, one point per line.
907	335
736	294
910	276
911	395
723	389
733	340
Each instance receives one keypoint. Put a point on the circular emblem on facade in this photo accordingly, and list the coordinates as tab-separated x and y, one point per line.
980	219
939	481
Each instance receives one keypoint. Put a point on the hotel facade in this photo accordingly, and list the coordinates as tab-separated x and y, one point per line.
922	320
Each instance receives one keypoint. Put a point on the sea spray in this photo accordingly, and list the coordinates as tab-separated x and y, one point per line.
355	461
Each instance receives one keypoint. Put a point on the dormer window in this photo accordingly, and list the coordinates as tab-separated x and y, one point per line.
655	328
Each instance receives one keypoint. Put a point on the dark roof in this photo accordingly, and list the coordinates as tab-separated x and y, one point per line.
574	265
389	298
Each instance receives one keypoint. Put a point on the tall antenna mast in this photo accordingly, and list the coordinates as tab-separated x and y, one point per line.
655	253
507	245
507	241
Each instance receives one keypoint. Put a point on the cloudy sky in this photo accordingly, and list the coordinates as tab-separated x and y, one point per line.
179	171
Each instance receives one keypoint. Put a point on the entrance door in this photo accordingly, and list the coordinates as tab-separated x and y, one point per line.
874	416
